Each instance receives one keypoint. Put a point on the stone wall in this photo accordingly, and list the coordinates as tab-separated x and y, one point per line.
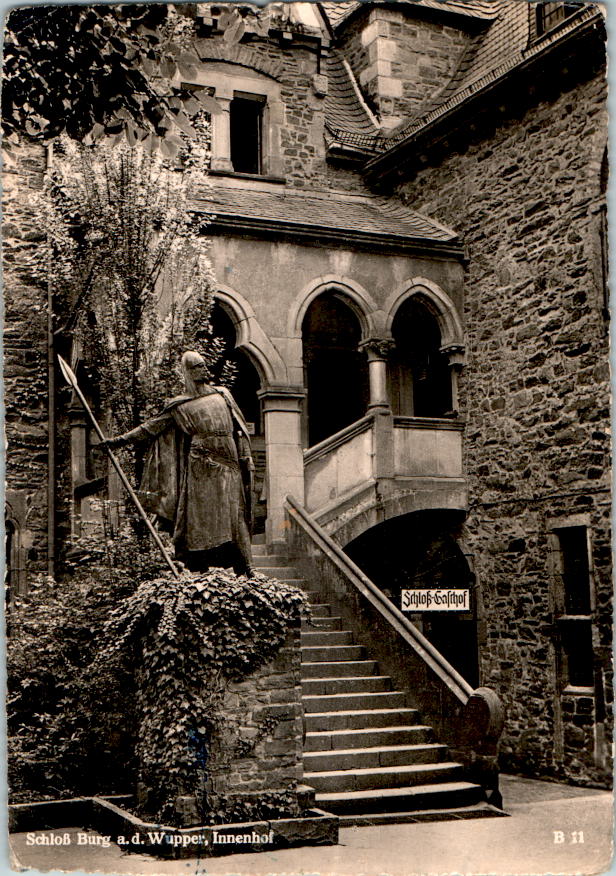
401	63
25	364
526	196
302	142
260	744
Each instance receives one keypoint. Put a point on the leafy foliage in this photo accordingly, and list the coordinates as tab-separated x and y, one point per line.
124	246
187	639
70	722
117	672
89	71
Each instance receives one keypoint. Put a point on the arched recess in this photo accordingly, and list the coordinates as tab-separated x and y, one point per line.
427	352
436	300
251	338
356	297
258	364
423	551
335	370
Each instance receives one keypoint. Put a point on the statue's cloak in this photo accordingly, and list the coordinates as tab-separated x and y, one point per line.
192	477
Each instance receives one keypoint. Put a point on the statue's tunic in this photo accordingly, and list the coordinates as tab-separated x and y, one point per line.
192	476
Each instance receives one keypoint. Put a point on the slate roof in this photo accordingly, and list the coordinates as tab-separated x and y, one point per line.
497	48
336	211
491	55
344	111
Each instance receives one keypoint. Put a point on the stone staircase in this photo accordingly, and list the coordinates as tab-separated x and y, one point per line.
366	753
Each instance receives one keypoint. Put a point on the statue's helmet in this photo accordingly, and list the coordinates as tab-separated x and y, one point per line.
194	371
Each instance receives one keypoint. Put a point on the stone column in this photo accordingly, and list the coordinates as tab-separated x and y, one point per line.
455	356
221	135
377	350
78	426
283	452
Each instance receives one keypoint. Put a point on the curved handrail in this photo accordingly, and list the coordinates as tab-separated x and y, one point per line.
429	654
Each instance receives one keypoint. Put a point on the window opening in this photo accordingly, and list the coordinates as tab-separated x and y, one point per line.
548	15
575	622
9	564
246	130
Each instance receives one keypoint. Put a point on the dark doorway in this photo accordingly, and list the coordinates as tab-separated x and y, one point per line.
421	551
244	389
419	376
336	372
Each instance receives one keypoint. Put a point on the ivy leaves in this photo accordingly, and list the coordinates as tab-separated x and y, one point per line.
95	71
187	639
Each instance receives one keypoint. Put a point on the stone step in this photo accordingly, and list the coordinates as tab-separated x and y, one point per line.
382	777
359	684
258	539
458	813
313	595
322	609
282	572
326	623
352	701
377	756
367	737
339	669
275	560
329	721
446	795
312	653
326	637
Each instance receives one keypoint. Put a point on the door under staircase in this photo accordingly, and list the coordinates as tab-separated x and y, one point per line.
367	753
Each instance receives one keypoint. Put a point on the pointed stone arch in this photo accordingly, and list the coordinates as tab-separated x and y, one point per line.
353	293
438	303
251	338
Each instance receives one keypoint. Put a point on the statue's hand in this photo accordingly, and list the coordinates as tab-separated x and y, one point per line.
119	441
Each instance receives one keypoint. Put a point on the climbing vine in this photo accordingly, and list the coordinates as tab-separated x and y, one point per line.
187	639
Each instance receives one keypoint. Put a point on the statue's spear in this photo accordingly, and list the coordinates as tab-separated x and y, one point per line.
70	378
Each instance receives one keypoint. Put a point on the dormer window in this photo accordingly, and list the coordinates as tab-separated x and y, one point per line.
550	15
246	132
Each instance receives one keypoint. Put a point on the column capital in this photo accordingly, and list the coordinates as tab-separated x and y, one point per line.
377	348
454	353
281	398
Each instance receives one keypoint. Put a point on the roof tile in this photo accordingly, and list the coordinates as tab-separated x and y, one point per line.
325	210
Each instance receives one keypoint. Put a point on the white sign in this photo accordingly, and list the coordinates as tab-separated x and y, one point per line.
436	600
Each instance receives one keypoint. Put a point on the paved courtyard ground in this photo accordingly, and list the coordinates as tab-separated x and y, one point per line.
527	843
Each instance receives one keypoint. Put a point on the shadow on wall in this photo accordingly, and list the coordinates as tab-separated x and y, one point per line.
421	551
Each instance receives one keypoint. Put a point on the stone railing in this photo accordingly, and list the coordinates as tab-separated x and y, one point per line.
469	721
426	447
377	448
340	464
